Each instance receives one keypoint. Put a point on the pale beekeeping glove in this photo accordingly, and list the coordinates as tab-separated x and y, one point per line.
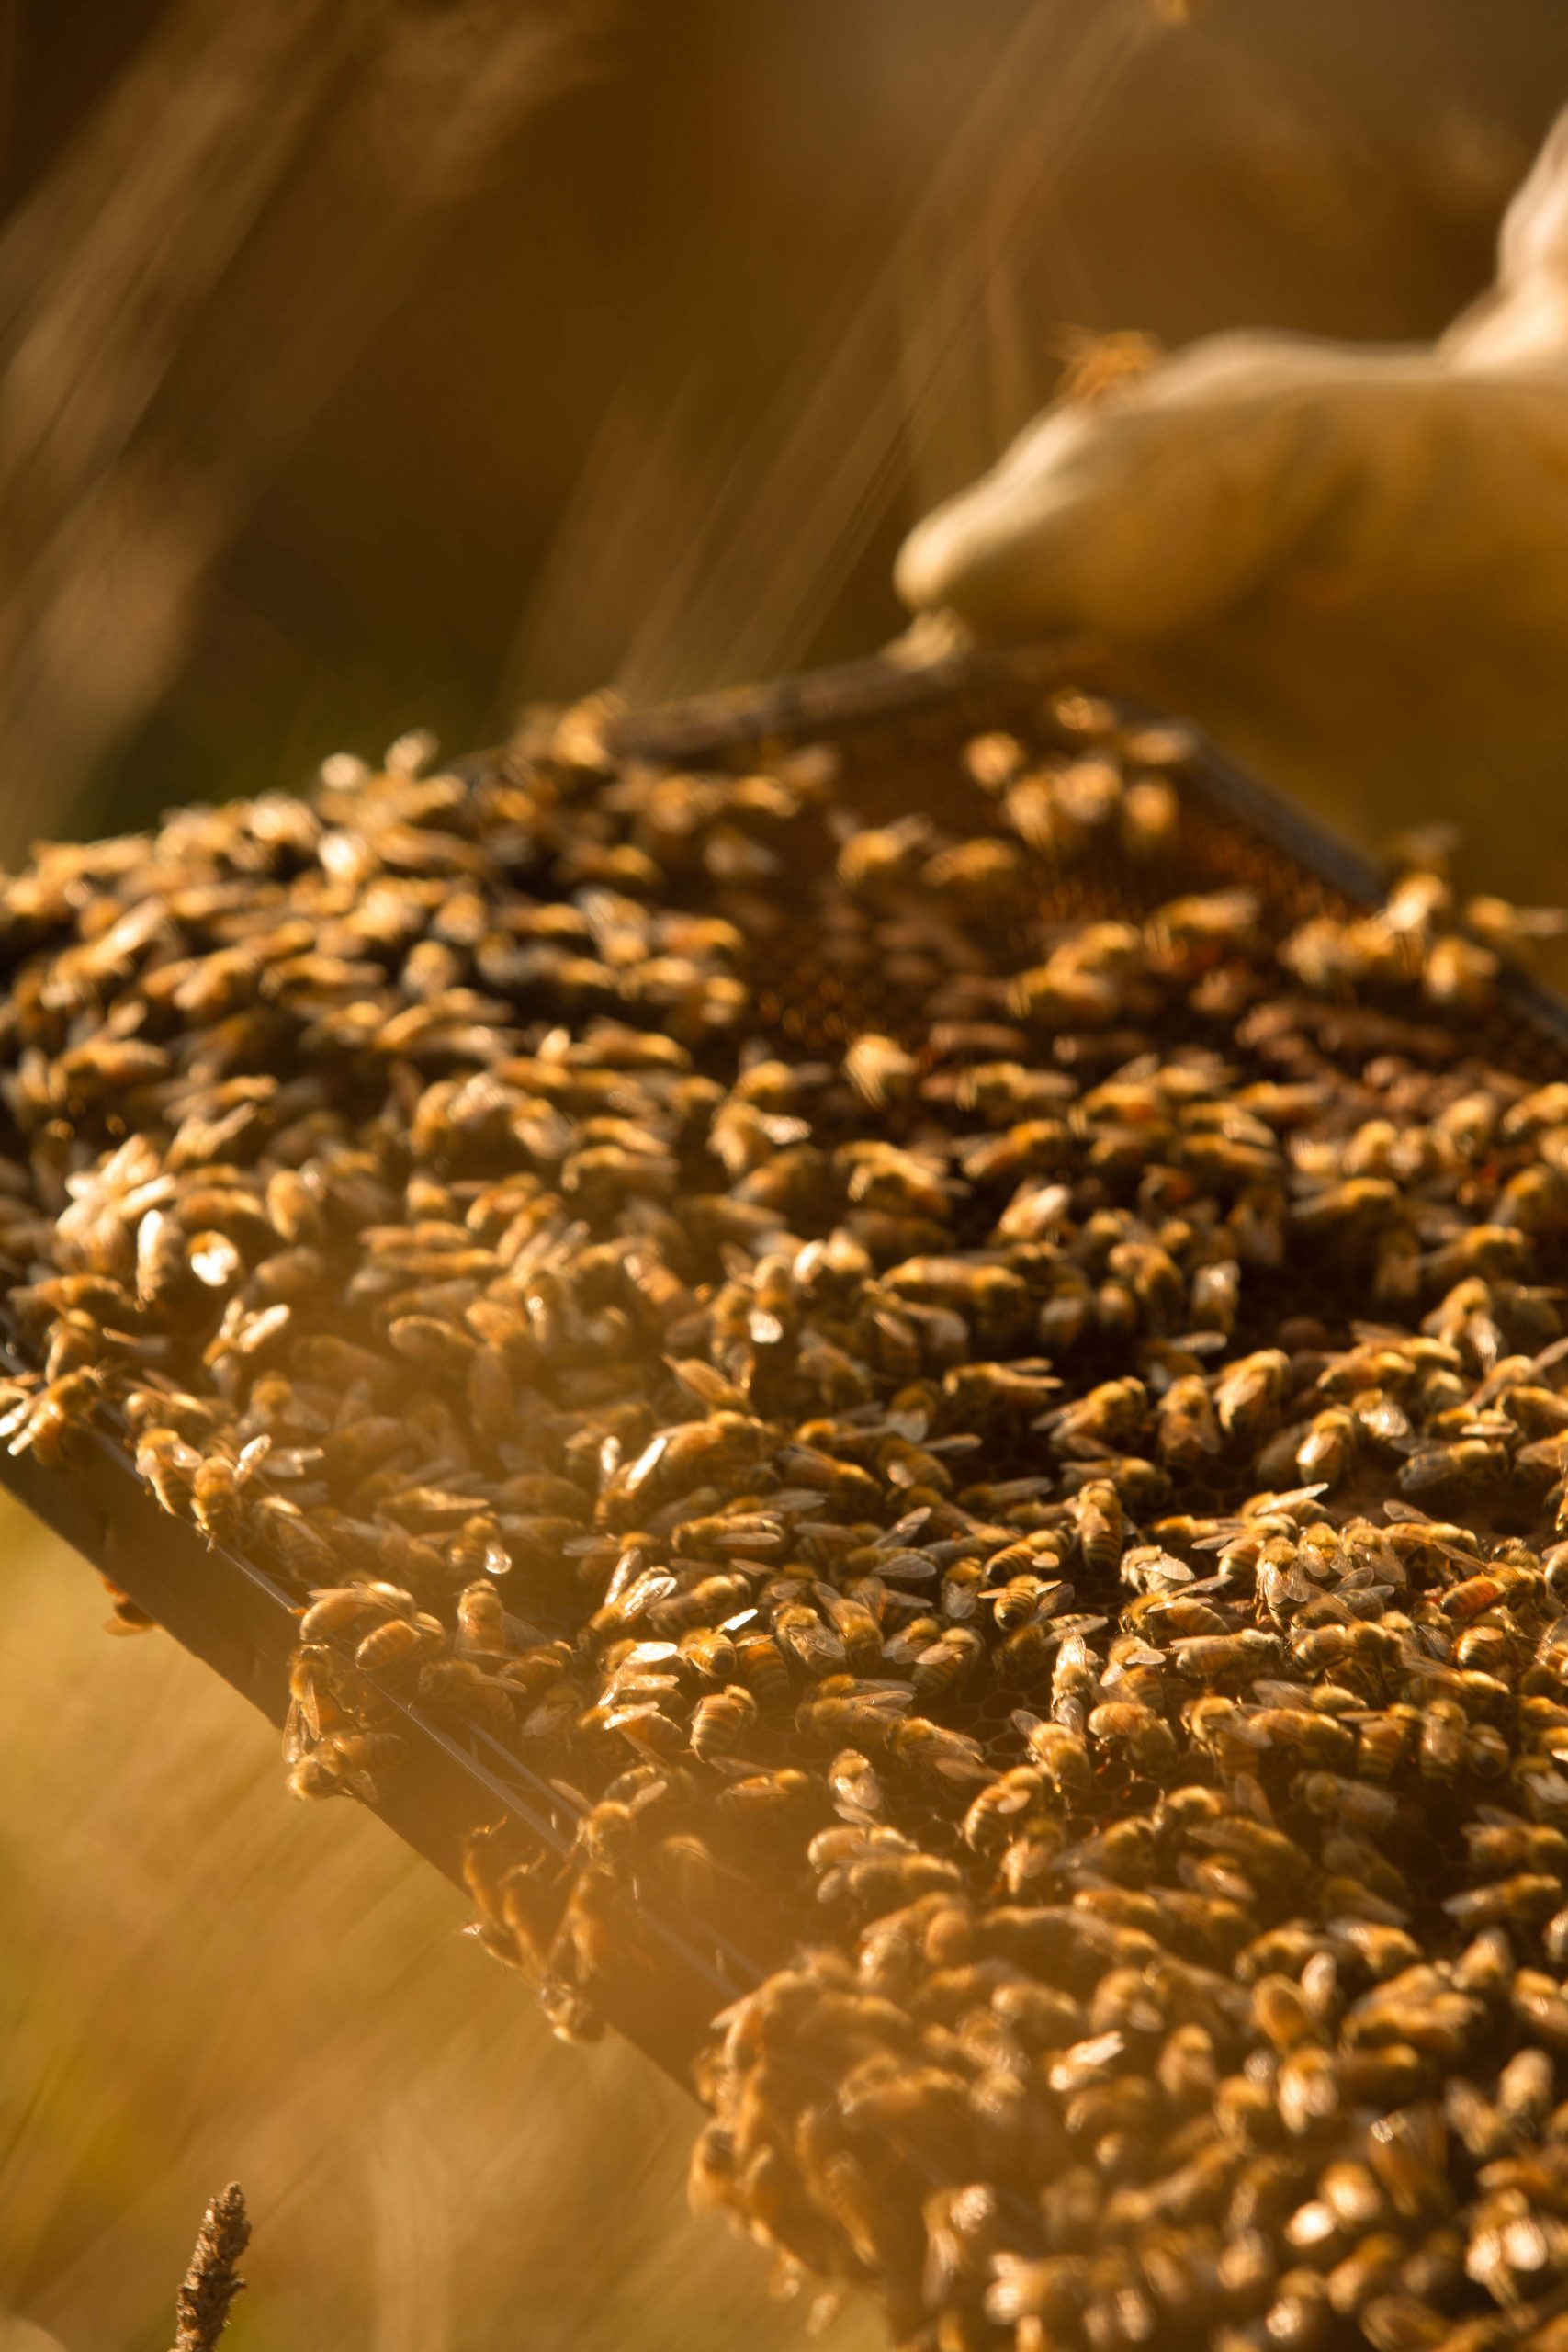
1350	564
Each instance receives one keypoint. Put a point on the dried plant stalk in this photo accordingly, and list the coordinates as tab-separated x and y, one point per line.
213	2281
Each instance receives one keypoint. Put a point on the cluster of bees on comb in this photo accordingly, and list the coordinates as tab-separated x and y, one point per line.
982	1384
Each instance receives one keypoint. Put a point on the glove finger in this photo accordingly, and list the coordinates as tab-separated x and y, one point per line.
1144	517
1522	318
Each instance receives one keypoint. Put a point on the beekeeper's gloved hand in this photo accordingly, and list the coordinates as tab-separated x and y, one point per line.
1350	564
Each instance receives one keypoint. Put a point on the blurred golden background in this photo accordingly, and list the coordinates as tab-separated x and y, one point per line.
374	362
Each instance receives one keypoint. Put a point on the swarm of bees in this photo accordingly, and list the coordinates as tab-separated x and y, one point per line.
980	1376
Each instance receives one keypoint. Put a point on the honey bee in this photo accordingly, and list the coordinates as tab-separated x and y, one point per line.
305	1554
1059	1753
963	1588
1358	1803
1247	1395
455	1686
315	1708
720	1720
843	1708
1215	1294
710	1653
1113	1411
947	1663
854	1624
1150	819
942	1754
1126	1727
706	1604
800	1632
169	1465
853	1785
46	1421
1134	1670
1442	1742
342	1609
1024	1599
1189	1425
1328	1449
477	1550
881	1176
881	855
481	1631
401	1642
1101	1527
344	1764
879	1070
760	1667
978	875
1075	1683
218	1487
1486	1752
1453	1472
1025	1655
1382	1742
764	1798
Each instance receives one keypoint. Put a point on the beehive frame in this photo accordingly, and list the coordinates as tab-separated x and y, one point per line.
231	1612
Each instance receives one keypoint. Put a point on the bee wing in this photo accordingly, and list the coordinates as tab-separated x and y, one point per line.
549	1715
637	1687
644	1592
1084	1445
1225	1531
753	1531
816	1646
799	1502
1200	1343
1387	1421
887	1698
706	1384
254	1453
19	1412
1081	1624
1244	1725
900	1536
933	1654
736	1767
908	1568
644	1654
1399	1511
1274	1692
1268	1506
612	1713
301	1730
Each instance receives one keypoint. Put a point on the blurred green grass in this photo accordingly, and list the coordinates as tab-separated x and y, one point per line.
202	1980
